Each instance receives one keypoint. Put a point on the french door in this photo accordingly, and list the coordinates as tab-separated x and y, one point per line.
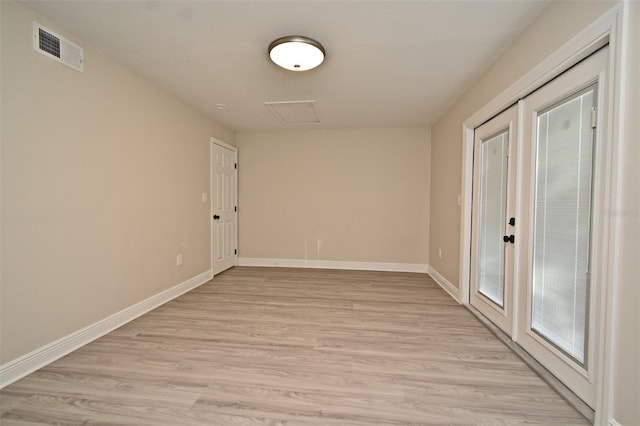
494	218
536	226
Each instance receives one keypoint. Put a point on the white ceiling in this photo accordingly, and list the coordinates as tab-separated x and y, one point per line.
389	63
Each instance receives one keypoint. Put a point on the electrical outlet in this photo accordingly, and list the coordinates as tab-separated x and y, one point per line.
319	244
179	260
440	253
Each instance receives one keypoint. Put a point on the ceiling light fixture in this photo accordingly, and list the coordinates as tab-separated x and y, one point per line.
296	53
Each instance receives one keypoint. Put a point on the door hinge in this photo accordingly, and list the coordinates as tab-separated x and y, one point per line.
235	208
235	165
235	251
594	118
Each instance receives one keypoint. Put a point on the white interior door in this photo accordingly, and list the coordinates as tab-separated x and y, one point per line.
562	226
493	222
224	206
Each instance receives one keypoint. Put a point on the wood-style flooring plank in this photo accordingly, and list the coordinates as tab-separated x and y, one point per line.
268	346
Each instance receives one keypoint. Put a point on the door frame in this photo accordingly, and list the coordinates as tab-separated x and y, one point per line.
215	141
607	29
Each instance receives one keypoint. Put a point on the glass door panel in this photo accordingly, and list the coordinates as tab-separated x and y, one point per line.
562	223
493	211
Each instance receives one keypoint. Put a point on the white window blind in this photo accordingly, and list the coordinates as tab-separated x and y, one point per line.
493	208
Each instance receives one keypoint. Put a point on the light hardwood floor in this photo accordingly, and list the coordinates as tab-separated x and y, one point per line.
263	346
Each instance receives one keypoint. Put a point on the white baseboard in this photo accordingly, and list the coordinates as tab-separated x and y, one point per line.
333	264
27	364
445	284
613	422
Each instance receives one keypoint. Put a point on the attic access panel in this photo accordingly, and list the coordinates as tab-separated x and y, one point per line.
295	113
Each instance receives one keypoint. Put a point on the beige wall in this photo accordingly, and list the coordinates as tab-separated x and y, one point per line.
558	23
364	192
102	175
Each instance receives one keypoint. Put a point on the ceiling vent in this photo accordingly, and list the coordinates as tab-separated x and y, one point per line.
57	48
295	113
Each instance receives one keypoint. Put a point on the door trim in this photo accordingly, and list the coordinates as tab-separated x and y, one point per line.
608	28
214	141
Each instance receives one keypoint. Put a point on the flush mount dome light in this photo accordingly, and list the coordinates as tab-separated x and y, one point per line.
296	53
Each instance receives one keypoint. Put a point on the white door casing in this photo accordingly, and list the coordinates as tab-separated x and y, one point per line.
224	215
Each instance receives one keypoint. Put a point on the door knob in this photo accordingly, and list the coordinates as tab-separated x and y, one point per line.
509	238
216	217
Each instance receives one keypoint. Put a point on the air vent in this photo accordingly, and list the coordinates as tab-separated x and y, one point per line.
295	113
48	43
57	48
